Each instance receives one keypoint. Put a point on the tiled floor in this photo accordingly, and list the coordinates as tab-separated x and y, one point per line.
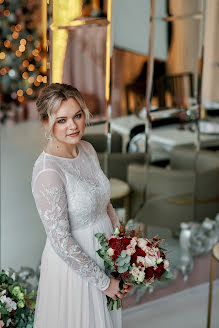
186	309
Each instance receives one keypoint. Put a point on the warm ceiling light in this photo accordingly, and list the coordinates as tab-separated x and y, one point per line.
18	27
29	91
23	41
6	12
45	79
2	55
22	48
21	99
31	79
25	75
18	53
15	35
31	67
39	78
7	44
20	93
25	63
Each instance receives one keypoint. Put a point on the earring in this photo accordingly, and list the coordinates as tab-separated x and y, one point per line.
48	137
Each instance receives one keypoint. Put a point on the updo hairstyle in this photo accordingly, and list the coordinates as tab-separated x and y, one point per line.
50	99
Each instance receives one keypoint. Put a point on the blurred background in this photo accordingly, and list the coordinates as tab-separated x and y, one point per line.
149	73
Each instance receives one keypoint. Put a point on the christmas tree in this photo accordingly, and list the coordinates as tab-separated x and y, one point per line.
20	51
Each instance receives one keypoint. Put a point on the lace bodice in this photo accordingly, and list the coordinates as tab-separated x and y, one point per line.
71	194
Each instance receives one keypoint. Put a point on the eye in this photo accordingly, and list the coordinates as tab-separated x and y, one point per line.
61	121
78	115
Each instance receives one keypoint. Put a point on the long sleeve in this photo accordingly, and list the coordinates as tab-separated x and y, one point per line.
51	202
113	217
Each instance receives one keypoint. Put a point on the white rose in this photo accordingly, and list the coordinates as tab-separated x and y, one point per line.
134	241
141	276
130	250
166	263
135	272
150	261
141	259
142	242
3	298
110	251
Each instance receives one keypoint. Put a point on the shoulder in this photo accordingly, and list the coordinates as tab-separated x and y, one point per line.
46	170
87	146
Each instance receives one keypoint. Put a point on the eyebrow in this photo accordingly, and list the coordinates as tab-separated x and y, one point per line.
66	116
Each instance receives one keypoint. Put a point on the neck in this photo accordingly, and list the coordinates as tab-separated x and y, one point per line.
63	150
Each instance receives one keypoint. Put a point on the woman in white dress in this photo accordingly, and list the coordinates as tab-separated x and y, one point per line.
72	197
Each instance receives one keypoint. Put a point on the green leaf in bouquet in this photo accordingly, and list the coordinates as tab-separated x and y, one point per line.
106	264
127	259
166	276
100	253
123	269
120	261
123	254
31	294
3	310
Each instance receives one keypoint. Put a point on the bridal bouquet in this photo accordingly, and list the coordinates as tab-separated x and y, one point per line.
130	257
16	306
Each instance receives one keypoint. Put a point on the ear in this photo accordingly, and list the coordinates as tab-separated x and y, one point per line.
45	124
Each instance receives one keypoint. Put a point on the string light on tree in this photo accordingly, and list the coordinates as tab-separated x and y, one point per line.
20	51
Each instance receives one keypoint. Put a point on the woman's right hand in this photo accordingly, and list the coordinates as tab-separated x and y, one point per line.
113	289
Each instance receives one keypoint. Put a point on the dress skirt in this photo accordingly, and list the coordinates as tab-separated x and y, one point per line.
64	298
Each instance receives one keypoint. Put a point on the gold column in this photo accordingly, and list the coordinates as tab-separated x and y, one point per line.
63	13
44	36
108	46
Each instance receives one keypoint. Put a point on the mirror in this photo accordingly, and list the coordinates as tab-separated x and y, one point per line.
148	71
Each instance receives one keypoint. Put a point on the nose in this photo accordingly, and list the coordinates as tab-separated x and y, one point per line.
72	125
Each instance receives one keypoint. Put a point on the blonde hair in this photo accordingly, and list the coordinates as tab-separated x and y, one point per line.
50	99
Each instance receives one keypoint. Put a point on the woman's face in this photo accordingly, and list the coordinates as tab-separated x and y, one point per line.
70	122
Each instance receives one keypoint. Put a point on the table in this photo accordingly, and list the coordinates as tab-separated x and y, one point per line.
162	139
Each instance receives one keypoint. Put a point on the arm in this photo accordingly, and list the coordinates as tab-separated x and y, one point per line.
113	217
51	202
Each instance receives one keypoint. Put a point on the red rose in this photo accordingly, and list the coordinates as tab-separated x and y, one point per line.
125	242
113	242
159	271
149	272
140	251
133	259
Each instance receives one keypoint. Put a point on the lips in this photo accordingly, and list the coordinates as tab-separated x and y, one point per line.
73	134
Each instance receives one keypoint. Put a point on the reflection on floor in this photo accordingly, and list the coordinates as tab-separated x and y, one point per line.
184	309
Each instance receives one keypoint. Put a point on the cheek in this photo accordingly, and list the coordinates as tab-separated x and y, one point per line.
82	124
58	129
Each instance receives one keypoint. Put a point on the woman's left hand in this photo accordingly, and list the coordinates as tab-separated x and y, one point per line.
127	287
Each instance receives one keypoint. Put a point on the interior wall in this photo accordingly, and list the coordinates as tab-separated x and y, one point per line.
130	26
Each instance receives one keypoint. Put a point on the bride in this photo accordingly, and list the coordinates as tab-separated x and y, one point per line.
72	196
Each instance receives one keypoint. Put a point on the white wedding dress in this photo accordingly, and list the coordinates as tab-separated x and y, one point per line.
72	197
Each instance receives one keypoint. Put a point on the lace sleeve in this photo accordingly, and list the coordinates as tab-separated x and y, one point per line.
51	202
113	217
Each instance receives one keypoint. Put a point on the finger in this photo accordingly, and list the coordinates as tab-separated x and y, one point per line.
119	295
129	283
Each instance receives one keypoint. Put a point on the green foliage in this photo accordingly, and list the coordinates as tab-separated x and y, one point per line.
123	262
23	315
